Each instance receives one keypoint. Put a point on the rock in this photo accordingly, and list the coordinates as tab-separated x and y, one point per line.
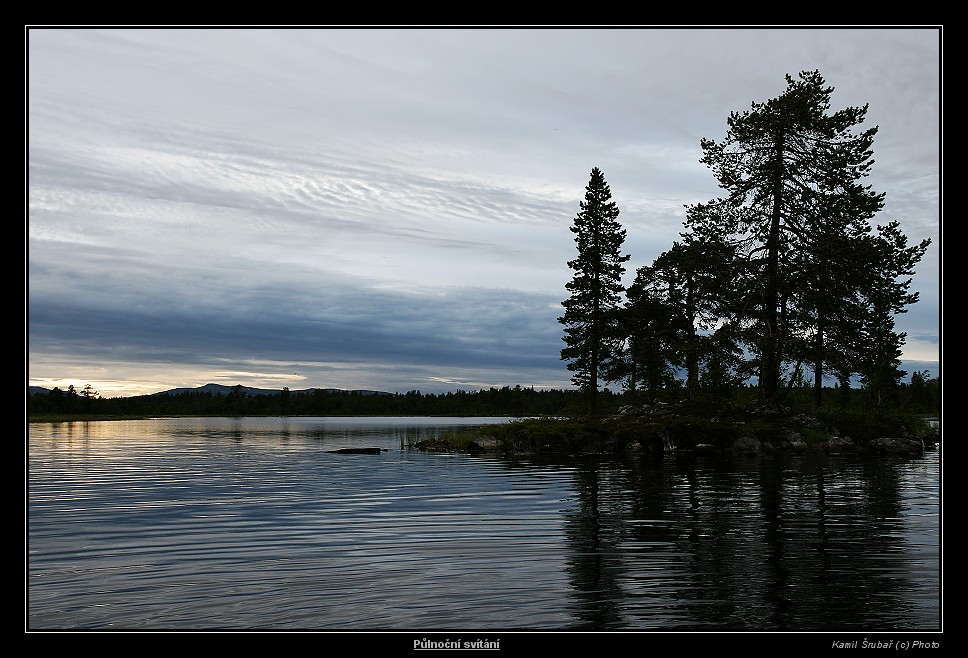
895	446
657	409
633	448
747	445
841	444
484	444
356	451
792	441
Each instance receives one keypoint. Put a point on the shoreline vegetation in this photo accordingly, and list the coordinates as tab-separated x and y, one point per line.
689	428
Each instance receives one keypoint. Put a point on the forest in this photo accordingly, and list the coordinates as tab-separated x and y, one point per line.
920	396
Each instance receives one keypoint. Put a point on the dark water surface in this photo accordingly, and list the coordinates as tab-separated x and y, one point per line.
249	523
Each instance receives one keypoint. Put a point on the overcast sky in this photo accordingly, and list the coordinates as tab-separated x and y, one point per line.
390	208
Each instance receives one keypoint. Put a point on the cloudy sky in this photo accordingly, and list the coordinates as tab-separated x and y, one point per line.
390	208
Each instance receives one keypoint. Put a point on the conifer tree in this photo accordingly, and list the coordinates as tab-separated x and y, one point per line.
798	213
591	316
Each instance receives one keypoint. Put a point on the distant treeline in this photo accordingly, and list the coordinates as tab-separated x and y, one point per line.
922	395
506	401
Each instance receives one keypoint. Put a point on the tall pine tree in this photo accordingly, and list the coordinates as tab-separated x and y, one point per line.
796	207
592	312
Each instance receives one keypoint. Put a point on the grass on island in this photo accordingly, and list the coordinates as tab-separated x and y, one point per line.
684	426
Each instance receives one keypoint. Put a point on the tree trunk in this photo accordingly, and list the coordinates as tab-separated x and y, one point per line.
770	355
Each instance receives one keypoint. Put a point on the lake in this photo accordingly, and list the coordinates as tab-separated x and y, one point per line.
251	524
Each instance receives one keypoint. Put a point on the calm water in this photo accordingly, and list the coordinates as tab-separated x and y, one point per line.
248	523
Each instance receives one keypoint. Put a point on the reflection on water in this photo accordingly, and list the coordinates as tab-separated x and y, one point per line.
766	544
251	523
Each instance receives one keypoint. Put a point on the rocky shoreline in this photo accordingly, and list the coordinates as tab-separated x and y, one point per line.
665	429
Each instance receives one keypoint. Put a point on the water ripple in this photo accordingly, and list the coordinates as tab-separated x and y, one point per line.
250	524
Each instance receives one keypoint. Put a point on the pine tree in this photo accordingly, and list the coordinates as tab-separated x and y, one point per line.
649	331
591	318
797	211
886	259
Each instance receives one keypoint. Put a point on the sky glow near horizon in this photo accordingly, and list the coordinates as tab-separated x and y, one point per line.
389	209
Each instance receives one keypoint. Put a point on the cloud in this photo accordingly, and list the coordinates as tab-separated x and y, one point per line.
389	208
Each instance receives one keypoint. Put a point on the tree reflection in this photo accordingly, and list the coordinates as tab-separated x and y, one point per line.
777	542
595	555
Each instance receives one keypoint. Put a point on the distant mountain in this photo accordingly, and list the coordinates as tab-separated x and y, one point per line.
218	389
221	389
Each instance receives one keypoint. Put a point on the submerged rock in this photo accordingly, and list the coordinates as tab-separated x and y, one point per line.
895	446
356	451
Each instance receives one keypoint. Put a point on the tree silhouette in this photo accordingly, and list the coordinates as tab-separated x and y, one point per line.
799	216
591	316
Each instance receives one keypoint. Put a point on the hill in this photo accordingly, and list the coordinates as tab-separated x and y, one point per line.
221	389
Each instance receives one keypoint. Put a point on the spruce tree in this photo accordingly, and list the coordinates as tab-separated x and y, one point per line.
591	317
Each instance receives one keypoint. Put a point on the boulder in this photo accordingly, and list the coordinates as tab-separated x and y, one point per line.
792	441
484	444
747	445
841	444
